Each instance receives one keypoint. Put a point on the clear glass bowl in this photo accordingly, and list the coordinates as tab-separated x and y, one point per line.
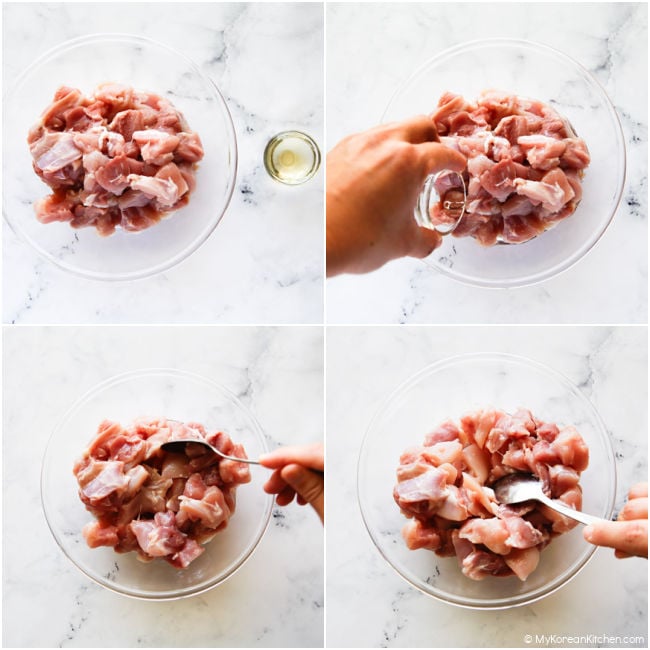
539	72
180	396
449	389
145	65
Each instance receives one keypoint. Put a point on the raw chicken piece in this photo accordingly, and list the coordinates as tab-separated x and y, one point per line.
153	502
444	488
553	191
446	432
417	535
521	533
480	498
572	449
422	494
492	533
576	155
512	128
124	158
156	147
182	559
478	565
160	537
211	509
524	165
443	452
55	151
477	462
99	533
523	561
542	151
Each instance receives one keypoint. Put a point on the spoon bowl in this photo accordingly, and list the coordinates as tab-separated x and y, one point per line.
519	487
179	446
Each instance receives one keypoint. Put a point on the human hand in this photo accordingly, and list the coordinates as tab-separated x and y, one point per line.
298	472
629	533
374	179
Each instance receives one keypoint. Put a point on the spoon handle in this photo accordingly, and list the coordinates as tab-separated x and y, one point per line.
240	460
563	509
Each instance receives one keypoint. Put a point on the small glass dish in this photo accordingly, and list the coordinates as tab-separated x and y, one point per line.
291	157
543	73
441	204
449	389
176	395
145	65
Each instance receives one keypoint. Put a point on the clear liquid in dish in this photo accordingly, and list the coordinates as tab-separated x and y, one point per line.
291	157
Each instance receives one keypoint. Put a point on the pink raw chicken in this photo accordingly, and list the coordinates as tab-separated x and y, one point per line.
117	158
159	504
444	489
524	165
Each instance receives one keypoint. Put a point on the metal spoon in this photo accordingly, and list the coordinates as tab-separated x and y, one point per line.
515	488
178	446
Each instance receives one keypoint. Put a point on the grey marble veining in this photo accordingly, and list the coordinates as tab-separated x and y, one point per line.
264	261
274	600
368	603
372	48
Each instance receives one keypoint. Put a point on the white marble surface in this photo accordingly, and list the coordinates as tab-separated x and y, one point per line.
274	600
372	48
264	262
368	604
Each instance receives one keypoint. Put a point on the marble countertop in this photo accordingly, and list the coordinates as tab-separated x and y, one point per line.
368	603
373	48
264	262
274	600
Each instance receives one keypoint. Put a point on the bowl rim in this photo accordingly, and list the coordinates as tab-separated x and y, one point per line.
387	403
176	259
525	280
94	391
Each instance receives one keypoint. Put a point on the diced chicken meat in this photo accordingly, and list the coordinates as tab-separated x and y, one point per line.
524	165
159	504
118	158
444	487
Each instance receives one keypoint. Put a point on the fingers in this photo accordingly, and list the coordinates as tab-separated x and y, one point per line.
638	490
286	496
414	130
630	537
309	485
291	479
275	483
634	509
436	157
421	131
425	242
310	456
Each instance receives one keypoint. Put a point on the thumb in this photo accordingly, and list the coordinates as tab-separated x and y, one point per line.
308	484
436	157
628	536
425	241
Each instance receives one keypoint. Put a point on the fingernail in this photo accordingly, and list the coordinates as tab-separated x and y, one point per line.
588	533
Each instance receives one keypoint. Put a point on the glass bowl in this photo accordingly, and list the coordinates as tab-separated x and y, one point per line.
449	389
145	65
180	396
538	72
